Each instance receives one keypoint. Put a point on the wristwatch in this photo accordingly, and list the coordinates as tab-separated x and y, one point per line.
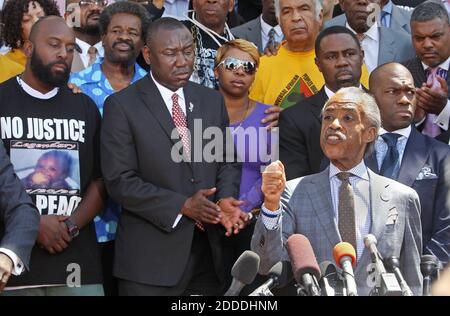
72	228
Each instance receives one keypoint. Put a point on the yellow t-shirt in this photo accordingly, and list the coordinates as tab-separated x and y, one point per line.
289	77
8	68
17	56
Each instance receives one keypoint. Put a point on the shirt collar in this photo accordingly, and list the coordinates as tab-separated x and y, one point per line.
165	92
330	93
388	7
85	47
265	28
360	170
445	65
34	93
96	67
404	131
371	33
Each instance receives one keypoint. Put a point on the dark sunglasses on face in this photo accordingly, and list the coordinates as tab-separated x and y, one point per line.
88	3
233	64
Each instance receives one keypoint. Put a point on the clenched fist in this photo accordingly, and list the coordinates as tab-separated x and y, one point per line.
273	184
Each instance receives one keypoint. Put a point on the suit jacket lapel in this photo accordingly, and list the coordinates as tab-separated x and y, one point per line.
255	33
193	111
386	51
380	197
155	104
318	102
371	161
319	192
414	157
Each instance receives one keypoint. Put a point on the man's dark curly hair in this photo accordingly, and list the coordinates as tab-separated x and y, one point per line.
12	19
128	8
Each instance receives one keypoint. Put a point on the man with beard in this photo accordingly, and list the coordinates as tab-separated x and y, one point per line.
123	27
86	14
39	114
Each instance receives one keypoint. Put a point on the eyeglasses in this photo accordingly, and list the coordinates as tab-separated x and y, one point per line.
88	3
231	63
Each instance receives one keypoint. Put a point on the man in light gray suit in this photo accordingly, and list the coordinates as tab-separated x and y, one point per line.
262	31
380	44
345	202
395	17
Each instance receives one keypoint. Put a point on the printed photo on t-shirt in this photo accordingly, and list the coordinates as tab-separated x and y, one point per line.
50	173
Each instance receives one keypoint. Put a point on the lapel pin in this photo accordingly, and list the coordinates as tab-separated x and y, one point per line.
191	106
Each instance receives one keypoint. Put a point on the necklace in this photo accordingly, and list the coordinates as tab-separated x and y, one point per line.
243	119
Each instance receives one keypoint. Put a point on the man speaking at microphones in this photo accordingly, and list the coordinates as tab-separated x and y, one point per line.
345	202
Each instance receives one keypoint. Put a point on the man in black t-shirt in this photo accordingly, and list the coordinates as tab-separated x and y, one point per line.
52	138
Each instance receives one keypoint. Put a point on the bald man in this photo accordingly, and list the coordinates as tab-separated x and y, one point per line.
41	115
411	158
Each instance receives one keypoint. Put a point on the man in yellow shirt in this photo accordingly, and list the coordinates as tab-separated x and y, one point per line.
8	68
291	75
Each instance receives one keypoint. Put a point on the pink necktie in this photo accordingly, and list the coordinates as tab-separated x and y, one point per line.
430	128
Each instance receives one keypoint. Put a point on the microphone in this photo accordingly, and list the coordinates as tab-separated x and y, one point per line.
304	265
329	278
386	283
279	275
345	257
244	272
429	265
393	264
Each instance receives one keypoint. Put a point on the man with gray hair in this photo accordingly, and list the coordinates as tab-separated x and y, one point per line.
345	202
430	29
291	75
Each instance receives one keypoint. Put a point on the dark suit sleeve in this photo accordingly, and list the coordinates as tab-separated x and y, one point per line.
120	169
412	246
439	244
19	219
293	151
229	171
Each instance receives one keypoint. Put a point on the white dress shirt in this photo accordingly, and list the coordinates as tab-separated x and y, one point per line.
265	29
361	187
176	9
446	4
371	45
166	95
84	51
442	119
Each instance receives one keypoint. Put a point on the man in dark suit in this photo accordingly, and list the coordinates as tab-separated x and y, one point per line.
430	29
339	57
164	187
380	44
19	222
264	30
411	158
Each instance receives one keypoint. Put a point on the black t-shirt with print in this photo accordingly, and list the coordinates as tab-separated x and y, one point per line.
54	147
206	52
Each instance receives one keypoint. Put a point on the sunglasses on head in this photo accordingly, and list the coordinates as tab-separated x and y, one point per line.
233	64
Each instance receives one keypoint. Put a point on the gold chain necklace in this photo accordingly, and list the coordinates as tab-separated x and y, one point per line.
243	119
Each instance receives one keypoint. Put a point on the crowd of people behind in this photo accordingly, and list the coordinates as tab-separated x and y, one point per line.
147	144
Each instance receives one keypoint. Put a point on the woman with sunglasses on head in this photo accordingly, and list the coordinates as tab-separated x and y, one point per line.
18	17
235	68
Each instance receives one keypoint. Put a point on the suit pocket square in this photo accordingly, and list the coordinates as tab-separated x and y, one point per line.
392	216
425	174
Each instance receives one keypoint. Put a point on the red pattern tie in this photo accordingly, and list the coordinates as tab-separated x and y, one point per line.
179	119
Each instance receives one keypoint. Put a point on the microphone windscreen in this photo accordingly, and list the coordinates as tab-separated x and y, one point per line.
344	249
302	257
429	259
369	240
246	267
